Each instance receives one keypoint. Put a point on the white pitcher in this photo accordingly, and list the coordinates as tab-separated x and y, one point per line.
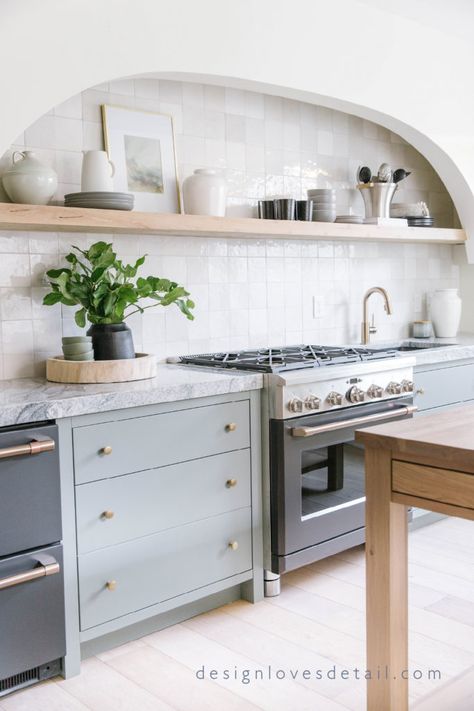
97	172
446	312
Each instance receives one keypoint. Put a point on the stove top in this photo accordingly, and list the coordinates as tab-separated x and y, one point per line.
276	360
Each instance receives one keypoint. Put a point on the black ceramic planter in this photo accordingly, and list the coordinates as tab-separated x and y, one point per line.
111	341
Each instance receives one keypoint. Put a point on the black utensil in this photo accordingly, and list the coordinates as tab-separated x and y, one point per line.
400	174
364	174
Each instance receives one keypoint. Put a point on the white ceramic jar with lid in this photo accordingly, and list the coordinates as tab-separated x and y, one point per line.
29	181
446	312
205	193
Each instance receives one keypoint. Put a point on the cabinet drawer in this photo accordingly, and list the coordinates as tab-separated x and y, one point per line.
444	386
118	509
433	484
161	566
157	440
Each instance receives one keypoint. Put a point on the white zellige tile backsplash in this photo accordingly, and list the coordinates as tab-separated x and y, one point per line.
248	292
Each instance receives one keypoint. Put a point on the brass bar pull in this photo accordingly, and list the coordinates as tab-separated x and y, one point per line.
368	419
36	446
39	572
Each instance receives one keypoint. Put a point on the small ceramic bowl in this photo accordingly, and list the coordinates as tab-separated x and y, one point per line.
80	356
67	340
76	348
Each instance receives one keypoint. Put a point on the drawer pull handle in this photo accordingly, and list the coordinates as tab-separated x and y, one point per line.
36	446
111	585
107	514
420	391
230	483
40	571
106	450
231	427
233	545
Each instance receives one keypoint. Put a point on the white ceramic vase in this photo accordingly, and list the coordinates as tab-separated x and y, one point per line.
97	172
446	312
205	193
29	181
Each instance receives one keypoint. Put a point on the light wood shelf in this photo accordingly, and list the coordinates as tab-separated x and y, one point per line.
68	219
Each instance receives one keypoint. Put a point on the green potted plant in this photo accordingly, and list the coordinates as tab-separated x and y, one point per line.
108	292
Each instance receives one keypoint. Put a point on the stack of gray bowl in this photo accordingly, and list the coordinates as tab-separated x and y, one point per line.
78	348
324	204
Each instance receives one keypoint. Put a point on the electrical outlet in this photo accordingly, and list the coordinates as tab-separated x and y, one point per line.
317	306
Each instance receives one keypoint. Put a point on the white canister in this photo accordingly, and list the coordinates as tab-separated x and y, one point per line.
446	312
29	181
205	193
97	172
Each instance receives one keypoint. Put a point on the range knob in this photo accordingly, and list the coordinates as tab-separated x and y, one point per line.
407	386
355	394
295	405
374	391
312	402
394	388
334	398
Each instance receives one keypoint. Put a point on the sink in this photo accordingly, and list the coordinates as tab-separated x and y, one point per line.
413	346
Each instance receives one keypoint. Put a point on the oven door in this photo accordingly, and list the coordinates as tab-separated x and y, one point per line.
318	481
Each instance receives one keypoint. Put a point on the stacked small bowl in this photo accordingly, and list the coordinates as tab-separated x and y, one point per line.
324	204
78	348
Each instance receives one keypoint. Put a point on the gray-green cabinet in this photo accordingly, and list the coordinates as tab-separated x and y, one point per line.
166	502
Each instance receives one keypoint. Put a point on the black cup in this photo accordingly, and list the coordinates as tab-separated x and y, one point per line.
266	209
285	209
304	210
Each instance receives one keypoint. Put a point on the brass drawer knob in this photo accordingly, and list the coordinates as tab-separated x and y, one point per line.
420	391
111	585
231	427
106	450
230	483
233	545
107	514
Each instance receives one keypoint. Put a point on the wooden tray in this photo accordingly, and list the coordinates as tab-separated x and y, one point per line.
141	367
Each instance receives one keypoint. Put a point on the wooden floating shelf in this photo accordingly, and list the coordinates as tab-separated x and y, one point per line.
48	218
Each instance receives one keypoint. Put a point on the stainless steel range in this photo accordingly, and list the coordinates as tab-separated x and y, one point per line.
314	399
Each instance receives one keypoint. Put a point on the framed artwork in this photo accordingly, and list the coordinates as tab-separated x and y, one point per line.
141	146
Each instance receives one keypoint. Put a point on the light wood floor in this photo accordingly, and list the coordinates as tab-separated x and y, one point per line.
317	622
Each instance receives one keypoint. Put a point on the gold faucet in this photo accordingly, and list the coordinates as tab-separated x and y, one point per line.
368	328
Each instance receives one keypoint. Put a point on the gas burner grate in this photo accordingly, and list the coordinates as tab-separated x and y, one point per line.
275	360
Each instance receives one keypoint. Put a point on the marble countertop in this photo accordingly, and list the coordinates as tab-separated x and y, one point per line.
32	400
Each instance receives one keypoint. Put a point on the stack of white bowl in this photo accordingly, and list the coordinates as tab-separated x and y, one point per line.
324	204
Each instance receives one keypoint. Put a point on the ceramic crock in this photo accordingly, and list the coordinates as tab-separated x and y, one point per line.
446	312
204	193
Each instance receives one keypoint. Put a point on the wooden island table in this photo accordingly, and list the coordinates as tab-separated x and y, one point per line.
427	462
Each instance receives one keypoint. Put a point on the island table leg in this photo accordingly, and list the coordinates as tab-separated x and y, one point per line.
387	588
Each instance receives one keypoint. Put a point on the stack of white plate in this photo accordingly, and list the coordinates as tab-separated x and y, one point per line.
350	219
324	204
100	200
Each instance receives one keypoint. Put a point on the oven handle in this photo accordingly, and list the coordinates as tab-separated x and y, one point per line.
36	446
330	427
47	565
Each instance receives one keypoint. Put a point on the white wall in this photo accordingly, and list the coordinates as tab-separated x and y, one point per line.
401	67
248	293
